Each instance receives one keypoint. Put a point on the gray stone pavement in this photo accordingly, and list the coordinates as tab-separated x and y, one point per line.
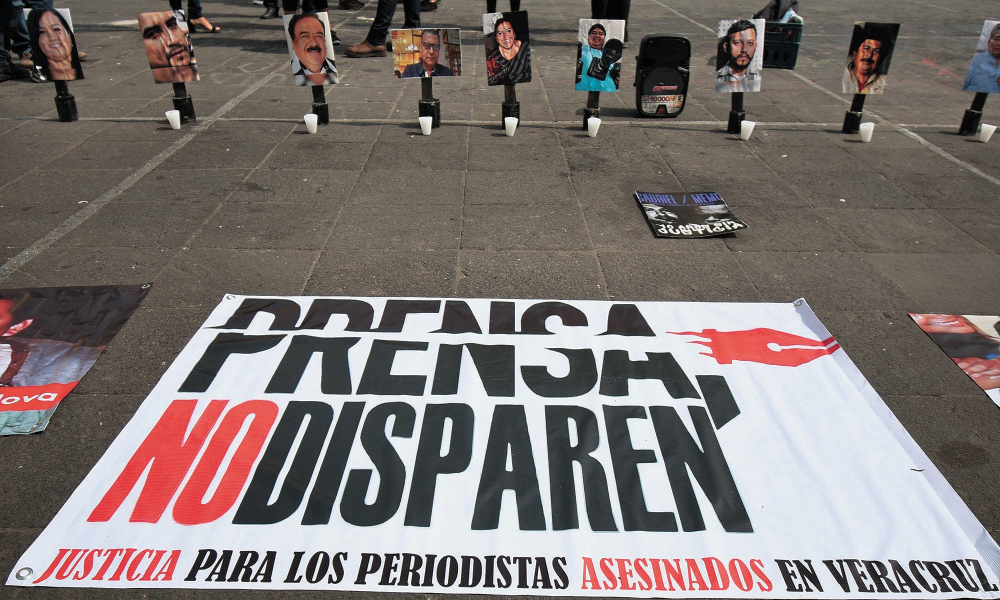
246	202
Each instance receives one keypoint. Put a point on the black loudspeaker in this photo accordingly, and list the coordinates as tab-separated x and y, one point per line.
661	75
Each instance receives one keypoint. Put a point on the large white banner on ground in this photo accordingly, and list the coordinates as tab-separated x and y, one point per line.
564	448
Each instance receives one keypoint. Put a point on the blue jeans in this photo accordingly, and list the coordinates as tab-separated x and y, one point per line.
19	41
383	19
193	11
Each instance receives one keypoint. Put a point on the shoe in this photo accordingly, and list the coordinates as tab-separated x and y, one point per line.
82	55
427	6
10	71
388	45
270	13
364	50
204	28
260	2
334	39
26	61
351	5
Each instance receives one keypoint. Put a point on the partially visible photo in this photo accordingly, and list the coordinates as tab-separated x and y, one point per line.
740	56
310	47
508	55
426	53
984	71
53	45
599	55
868	58
972	342
168	46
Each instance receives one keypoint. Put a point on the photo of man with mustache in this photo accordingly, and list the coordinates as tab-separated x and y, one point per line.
168	46
868	58
310	46
739	60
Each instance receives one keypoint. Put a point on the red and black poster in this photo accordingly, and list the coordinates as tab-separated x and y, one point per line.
49	338
516	447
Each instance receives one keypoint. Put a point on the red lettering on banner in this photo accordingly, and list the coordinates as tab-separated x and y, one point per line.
693	574
189	508
589	575
757	566
67	560
171	456
36	397
625	573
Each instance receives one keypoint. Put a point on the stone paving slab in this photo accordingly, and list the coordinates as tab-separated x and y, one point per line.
244	201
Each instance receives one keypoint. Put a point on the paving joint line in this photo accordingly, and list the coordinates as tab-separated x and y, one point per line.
78	218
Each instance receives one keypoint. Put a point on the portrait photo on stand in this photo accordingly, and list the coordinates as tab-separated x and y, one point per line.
739	60
508	56
426	53
984	71
868	58
53	45
599	55
310	47
168	46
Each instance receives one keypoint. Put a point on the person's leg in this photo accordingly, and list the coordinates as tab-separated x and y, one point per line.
598	9
270	9
38	3
411	12
515	5
194	10
383	20
491	6
292	6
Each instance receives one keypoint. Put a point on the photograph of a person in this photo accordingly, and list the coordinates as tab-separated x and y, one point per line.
508	56
168	46
984	71
868	58
53	45
49	338
972	342
740	57
599	55
311	48
426	52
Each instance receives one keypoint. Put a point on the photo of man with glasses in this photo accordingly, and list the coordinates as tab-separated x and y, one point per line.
430	53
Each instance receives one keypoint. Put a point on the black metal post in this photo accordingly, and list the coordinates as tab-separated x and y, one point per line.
320	107
852	119
593	108
65	103
183	103
973	115
429	105
736	113
511	107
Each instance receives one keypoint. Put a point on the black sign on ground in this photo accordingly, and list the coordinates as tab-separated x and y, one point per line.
683	215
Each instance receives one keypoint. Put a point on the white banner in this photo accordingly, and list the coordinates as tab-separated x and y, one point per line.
563	448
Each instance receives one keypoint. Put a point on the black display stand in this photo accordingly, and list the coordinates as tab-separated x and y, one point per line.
973	115
320	108
429	105
852	119
65	103
736	113
593	108
511	107
183	103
